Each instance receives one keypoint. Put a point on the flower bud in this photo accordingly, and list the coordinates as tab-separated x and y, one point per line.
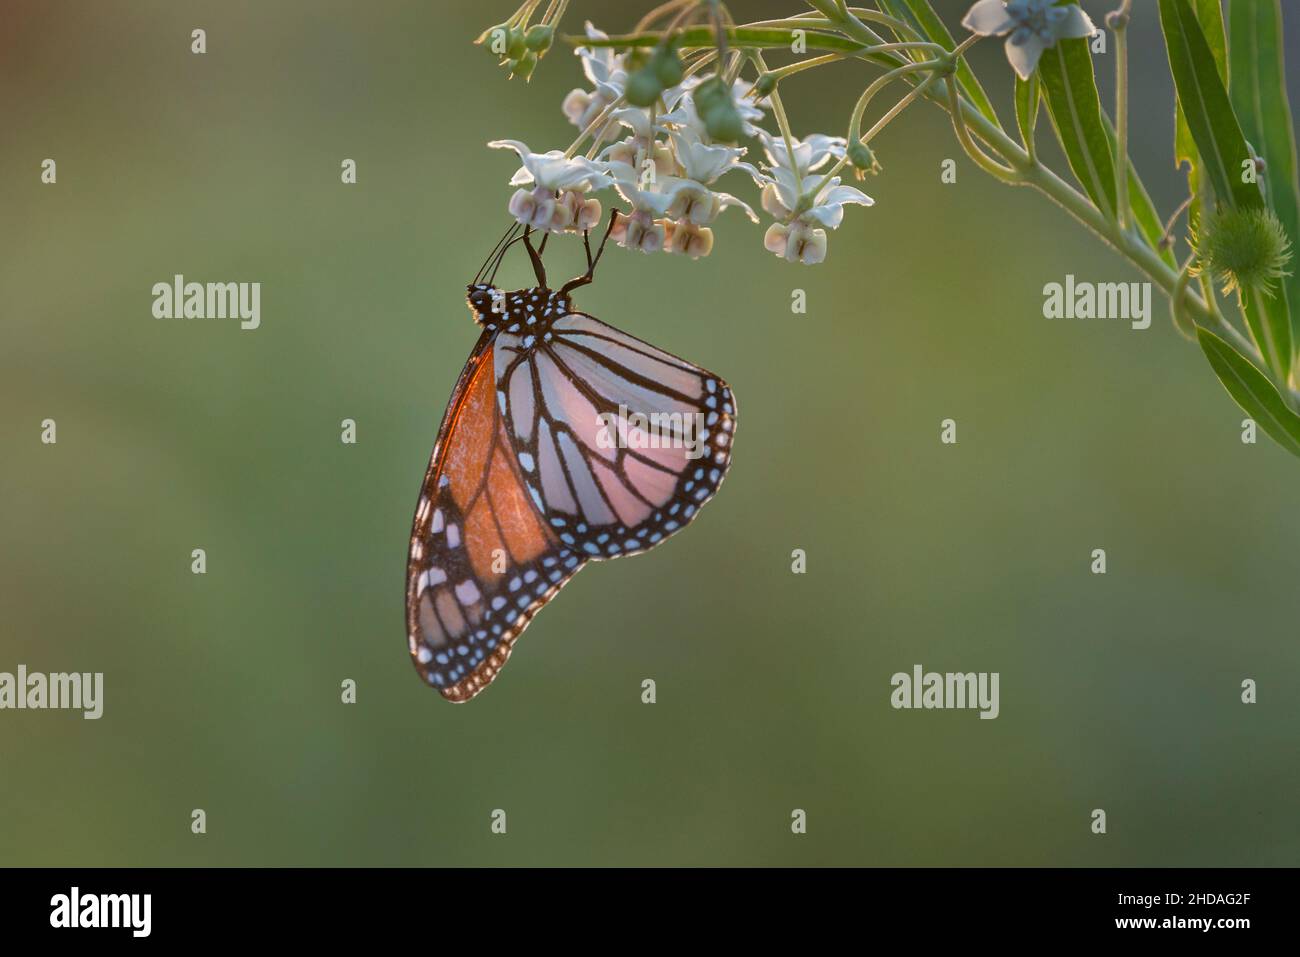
862	158
765	84
515	46
709	93
524	66
643	87
667	66
721	118
539	37
724	124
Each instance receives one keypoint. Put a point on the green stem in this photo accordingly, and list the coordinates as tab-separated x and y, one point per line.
1118	22
1139	253
855	121
991	166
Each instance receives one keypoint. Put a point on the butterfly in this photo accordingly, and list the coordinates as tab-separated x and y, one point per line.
565	441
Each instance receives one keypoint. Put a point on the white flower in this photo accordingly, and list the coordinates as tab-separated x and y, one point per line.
783	195
805	209
629	151
1034	25
796	243
688	240
705	162
828	206
574	211
640	231
695	203
606	71
810	153
553	170
533	208
639	189
603	67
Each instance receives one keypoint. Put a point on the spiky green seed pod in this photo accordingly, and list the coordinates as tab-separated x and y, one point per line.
1244	249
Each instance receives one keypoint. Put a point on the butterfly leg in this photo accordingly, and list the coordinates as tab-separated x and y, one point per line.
535	256
592	261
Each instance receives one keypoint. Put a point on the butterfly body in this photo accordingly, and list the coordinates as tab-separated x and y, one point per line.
565	441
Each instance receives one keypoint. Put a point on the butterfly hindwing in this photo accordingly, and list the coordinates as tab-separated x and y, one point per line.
621	442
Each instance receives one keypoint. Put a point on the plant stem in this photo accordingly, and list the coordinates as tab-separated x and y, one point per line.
991	166
1139	253
660	11
1118	22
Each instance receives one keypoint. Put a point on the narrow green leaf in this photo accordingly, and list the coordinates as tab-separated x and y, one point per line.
1257	87
921	15
1269	320
1027	95
1251	390
1210	17
1072	102
1223	151
1206	108
1139	200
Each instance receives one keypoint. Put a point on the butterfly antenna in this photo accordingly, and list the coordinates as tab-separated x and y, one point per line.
501	258
496	251
591	261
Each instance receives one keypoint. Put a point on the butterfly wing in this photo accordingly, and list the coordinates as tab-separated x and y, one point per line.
620	442
482	561
542	464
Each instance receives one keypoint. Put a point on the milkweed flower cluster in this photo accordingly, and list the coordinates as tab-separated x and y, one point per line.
662	140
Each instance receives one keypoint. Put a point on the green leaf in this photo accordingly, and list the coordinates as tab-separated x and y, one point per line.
1206	108
1221	145
1071	94
1269	321
1210	17
1139	200
1257	87
1251	390
1027	96
921	15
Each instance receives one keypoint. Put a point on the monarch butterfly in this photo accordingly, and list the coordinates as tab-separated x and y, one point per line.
565	441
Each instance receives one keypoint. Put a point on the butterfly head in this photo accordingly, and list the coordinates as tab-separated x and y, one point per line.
481	297
536	308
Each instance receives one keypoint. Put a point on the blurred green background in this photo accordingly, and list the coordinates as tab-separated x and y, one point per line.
223	691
